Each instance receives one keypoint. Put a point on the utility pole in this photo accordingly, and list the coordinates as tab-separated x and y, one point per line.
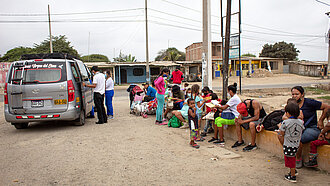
50	32
147	42
207	46
239	45
226	57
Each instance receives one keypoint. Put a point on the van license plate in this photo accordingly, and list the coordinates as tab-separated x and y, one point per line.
37	103
60	101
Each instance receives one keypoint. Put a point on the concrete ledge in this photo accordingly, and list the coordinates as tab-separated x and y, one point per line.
267	140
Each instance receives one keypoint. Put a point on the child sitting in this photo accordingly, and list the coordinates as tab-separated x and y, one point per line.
208	124
323	139
289	136
193	122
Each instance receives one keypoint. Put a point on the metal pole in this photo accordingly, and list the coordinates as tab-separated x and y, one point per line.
328	67
50	32
226	59
239	42
222	46
147	47
207	44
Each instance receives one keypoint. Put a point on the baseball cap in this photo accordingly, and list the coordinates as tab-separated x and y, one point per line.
146	83
241	108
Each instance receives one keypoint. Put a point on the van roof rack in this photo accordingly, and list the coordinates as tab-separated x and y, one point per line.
48	56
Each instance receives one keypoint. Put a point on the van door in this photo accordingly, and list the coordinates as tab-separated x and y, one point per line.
43	88
87	98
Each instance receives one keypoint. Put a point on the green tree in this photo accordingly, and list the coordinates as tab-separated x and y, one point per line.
15	53
170	54
124	58
60	44
95	58
280	50
248	55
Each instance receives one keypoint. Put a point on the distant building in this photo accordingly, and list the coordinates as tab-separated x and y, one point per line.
308	68
275	65
194	52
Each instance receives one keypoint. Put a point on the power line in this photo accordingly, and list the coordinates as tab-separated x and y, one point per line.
322	2
75	21
182	6
246	23
73	13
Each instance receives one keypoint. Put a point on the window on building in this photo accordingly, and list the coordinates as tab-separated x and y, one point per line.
264	64
219	48
274	65
138	72
245	66
154	71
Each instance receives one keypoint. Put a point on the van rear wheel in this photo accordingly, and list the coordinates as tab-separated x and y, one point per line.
81	120
20	125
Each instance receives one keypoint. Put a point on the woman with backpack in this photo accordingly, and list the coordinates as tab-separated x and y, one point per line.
228	115
160	87
312	126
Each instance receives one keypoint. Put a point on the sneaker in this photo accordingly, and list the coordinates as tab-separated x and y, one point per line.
157	122
250	147
219	142
110	117
299	164
290	178
295	173
184	126
237	144
212	139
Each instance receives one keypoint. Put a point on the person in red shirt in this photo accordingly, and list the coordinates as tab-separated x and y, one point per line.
177	76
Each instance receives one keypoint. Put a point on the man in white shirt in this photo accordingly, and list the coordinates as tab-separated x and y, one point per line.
99	90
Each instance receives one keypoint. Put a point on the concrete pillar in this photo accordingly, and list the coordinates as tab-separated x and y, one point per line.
207	45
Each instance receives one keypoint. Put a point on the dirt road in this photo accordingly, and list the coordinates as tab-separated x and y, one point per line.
130	150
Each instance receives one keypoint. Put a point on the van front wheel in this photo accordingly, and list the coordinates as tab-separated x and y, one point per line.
20	125
81	120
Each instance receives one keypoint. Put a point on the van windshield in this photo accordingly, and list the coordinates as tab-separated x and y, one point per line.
42	73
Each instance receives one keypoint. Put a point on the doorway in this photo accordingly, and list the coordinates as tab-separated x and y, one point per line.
123	76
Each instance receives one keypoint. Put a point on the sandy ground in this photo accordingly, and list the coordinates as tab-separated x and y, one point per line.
130	150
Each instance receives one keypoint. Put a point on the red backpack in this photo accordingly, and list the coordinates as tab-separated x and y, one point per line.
136	90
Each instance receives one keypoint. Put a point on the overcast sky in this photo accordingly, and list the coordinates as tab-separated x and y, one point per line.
173	23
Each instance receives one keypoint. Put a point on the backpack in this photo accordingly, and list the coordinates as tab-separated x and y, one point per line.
136	90
174	122
272	119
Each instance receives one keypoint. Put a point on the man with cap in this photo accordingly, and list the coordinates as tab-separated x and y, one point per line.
150	92
257	113
99	90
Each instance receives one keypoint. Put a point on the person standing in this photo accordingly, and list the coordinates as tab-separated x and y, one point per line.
289	136
177	76
99	90
160	87
109	93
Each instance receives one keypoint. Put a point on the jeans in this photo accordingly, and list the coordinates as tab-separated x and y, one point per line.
160	107
99	104
108	101
310	134
207	125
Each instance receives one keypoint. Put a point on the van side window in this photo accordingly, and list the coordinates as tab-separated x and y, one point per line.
74	72
83	71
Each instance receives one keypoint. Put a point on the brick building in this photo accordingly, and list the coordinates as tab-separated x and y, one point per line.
194	52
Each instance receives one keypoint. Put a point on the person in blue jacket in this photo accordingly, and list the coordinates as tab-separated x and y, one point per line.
150	92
